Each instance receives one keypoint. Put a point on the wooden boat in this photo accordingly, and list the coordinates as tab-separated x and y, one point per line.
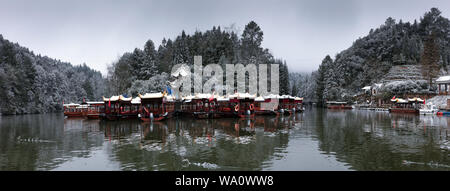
95	109
75	110
156	107
204	106
286	104
225	108
406	105
298	104
243	104
266	106
338	105
127	110
118	107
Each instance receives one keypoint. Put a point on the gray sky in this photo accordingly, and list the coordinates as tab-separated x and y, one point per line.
302	32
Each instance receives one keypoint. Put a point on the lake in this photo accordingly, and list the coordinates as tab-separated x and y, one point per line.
317	139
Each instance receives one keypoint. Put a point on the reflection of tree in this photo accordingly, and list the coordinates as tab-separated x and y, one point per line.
369	141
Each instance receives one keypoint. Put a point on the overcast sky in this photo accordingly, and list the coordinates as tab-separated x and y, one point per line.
302	32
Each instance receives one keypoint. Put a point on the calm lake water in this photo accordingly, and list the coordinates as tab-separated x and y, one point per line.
314	140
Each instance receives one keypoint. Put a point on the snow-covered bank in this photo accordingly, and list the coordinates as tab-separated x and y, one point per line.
440	101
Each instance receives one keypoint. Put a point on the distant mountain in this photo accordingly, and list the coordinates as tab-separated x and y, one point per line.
32	83
370	58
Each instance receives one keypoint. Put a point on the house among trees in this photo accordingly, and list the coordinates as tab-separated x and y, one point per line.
443	84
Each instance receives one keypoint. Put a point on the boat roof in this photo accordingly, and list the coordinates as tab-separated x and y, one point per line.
259	98
298	98
95	102
71	105
136	100
222	98
151	95
123	98
112	98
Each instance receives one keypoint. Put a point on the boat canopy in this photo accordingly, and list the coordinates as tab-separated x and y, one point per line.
136	100
222	98
71	105
151	95
123	98
298	99
259	99
95	102
112	98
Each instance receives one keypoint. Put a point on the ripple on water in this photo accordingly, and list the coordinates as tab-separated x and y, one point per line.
152	147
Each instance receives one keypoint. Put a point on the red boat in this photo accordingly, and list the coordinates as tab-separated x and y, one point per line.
267	106
118	107
286	104
156	107
298	104
95	109
243	104
75	110
225	108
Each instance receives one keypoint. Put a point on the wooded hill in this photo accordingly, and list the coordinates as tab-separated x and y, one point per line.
31	83
370	59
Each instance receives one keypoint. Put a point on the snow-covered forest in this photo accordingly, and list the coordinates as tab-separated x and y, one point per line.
370	58
148	69
31	83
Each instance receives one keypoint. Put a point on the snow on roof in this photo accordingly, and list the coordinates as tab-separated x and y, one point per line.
136	100
122	98
259	98
415	99
112	98
443	79
151	95
169	98
189	97
201	96
246	95
71	105
222	98
272	96
298	98
366	88
95	102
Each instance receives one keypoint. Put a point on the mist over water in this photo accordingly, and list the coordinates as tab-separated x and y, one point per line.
314	140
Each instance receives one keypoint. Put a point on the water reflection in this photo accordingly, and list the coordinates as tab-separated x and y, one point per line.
314	140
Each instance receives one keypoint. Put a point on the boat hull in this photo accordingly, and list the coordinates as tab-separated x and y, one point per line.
404	110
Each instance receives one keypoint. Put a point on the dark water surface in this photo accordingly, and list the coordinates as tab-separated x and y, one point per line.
314	140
